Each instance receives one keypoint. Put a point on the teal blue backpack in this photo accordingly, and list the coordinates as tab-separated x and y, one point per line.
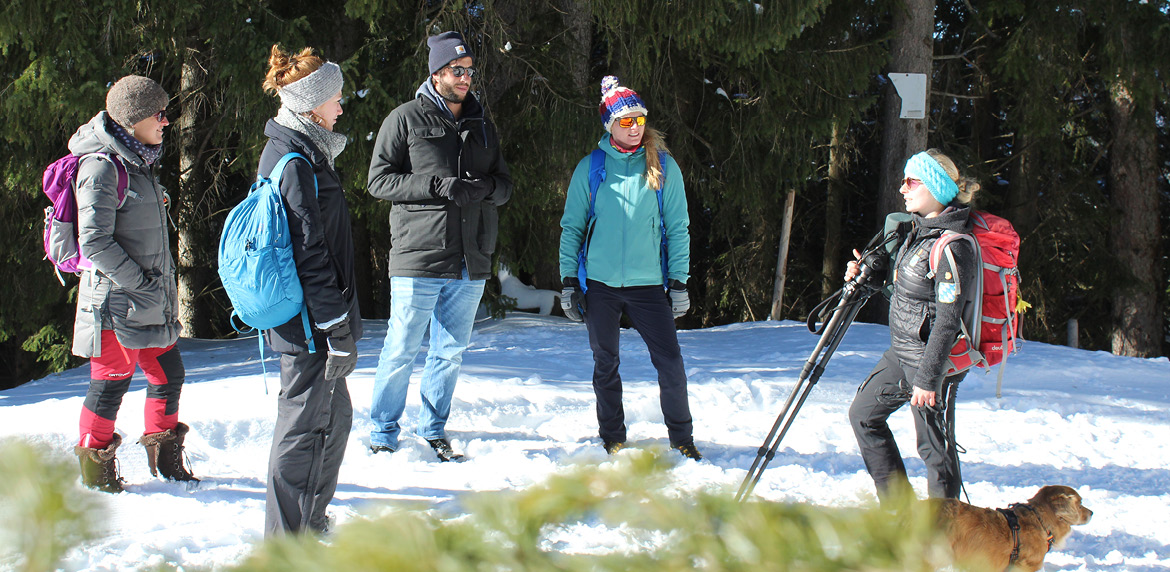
596	176
256	262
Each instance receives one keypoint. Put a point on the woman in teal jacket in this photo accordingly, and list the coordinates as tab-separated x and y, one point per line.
635	237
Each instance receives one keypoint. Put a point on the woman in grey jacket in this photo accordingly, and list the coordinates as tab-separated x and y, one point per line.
126	304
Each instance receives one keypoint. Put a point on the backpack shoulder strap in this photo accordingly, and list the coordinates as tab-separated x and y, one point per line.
596	176
123	174
662	220
277	173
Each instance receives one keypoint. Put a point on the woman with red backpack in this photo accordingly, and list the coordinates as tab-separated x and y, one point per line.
926	314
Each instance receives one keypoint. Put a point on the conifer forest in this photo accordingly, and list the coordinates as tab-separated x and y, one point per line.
1059	108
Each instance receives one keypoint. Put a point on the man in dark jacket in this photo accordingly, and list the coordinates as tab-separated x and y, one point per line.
437	158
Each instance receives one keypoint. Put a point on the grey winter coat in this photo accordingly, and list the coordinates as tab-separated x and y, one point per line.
418	144
131	288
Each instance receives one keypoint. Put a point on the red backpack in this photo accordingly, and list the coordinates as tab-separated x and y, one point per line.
991	330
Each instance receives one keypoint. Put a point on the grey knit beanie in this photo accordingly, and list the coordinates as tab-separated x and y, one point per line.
445	48
307	93
134	98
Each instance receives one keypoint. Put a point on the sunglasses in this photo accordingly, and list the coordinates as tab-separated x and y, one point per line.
160	116
910	182
628	122
458	71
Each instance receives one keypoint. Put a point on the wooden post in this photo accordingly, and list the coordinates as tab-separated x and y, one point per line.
782	258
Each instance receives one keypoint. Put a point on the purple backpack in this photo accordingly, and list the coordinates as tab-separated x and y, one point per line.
59	184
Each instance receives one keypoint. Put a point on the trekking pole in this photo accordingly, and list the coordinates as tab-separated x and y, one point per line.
851	298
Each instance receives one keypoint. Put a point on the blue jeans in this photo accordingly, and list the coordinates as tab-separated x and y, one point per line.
449	307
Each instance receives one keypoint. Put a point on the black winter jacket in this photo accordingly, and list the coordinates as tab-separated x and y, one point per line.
417	145
926	310
321	239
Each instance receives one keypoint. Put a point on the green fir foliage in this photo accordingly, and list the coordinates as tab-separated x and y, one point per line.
43	512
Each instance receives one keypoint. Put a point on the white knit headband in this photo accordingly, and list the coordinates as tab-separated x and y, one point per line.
307	93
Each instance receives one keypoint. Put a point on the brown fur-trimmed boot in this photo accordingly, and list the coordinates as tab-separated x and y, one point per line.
99	469
164	453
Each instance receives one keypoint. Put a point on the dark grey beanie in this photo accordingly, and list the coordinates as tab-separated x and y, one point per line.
134	98
446	47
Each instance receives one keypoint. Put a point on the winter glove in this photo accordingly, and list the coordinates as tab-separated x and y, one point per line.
479	187
573	300
452	189
342	356
680	300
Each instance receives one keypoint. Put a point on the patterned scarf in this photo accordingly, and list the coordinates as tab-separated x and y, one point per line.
329	142
149	153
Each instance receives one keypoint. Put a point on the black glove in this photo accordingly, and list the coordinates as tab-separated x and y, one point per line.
343	355
479	187
452	189
573	300
680	300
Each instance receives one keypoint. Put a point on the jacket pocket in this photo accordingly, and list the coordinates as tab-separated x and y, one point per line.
415	226
489	228
147	306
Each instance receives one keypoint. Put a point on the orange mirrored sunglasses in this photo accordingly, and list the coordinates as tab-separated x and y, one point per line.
628	122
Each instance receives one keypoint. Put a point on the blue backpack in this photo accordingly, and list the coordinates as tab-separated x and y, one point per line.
256	262
596	176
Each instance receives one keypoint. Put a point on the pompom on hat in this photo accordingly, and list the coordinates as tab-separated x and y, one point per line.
446	48
617	100
134	98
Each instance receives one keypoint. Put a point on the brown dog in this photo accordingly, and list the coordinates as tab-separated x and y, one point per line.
983	538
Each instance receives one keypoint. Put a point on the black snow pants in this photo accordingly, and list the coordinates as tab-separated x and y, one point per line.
885	391
649	310
313	420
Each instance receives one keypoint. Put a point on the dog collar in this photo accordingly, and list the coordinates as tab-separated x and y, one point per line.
1014	524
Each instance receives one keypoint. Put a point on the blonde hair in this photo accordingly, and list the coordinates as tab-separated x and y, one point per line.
967	185
285	67
654	142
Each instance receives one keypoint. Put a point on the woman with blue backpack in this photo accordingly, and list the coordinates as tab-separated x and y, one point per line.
926	317
127	301
314	411
625	248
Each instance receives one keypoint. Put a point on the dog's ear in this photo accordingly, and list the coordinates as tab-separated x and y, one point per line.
1066	504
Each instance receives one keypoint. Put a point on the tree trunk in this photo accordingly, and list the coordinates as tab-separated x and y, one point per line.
831	269
1133	182
910	52
782	258
195	268
1022	194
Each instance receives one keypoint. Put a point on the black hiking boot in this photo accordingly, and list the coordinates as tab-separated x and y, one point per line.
375	449
164	453
443	449
99	468
612	447
689	451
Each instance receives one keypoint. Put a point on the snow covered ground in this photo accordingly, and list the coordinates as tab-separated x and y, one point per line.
524	409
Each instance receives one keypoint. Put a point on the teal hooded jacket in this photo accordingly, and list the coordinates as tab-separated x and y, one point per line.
624	245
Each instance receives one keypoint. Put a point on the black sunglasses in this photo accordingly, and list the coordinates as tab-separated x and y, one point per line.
458	71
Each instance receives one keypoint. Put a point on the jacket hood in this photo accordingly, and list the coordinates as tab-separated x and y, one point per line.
297	140
95	137
471	106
